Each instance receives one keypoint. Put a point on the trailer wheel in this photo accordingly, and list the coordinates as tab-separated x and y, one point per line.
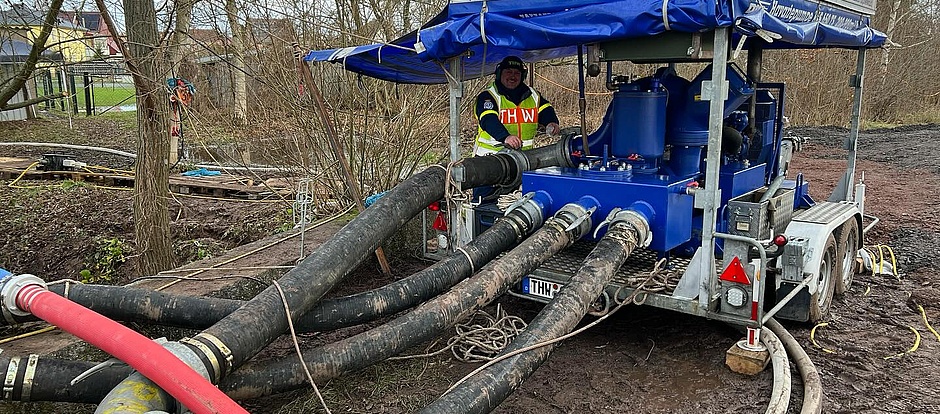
848	246
828	273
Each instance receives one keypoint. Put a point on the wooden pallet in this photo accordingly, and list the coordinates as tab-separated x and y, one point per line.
223	186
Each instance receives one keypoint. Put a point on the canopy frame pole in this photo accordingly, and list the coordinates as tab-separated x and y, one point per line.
455	91
843	191
715	91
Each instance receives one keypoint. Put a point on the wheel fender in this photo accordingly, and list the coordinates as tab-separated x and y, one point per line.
813	234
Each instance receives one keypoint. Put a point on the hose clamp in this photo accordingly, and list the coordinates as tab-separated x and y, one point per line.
223	351
10	378
28	377
210	356
11	288
469	259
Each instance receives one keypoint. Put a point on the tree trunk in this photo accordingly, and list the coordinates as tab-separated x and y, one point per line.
893	21
151	217
179	45
181	40
239	82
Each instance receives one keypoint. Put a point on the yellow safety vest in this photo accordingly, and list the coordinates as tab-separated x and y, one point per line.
521	121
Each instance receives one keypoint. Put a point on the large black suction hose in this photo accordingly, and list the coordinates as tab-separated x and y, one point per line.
485	390
241	334
424	323
37	378
138	304
51	379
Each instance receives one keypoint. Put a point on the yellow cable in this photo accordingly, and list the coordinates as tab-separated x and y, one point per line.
913	347
923	313
99	167
881	258
12	184
894	263
812	337
27	335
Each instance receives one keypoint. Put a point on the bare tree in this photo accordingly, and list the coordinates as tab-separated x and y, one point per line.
11	88
146	64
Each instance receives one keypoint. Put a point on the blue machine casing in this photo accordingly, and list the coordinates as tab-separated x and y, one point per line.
671	223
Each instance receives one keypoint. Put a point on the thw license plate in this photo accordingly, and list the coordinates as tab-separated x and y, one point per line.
539	287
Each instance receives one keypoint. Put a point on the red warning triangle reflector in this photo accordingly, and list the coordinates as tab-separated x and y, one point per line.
440	223
735	273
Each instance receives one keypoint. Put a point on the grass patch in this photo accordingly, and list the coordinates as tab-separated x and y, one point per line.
929	116
867	125
110	94
127	119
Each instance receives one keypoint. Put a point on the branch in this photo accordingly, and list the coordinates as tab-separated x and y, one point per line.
38	46
32	101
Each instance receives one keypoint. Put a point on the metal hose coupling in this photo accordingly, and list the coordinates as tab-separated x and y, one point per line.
519	161
10	287
528	213
576	217
638	222
637	216
139	391
556	155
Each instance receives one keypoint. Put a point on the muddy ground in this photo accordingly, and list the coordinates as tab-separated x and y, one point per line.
640	360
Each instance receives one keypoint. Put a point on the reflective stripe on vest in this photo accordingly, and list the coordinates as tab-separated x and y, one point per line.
521	121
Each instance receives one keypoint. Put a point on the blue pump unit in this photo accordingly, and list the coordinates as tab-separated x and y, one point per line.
650	149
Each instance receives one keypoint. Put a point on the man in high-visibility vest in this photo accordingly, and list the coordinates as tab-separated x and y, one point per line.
510	112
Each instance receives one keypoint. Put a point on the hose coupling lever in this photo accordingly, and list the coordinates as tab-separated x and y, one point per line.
610	217
580	219
518	203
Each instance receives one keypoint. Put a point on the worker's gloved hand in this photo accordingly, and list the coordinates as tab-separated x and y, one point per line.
552	129
513	142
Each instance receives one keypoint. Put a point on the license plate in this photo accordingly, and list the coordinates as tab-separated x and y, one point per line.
539	287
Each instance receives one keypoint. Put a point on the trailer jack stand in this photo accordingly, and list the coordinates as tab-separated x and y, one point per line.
748	356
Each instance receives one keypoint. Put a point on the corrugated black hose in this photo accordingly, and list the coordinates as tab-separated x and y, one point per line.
426	322
485	390
144	305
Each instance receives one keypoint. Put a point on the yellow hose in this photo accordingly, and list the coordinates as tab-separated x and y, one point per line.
913	347
923	313
812	337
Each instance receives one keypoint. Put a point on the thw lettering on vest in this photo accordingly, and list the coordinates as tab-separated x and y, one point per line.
517	115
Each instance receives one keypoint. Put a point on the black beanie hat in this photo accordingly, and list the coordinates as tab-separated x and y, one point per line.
511	62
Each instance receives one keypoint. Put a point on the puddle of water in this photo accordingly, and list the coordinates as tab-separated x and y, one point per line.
119	108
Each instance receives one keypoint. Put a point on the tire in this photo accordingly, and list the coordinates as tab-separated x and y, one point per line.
848	236
820	301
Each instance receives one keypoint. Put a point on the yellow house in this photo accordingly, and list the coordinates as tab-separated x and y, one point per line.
22	23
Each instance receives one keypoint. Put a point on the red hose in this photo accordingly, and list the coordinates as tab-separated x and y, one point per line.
146	356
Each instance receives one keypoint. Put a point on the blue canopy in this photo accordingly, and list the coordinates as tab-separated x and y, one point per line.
484	32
